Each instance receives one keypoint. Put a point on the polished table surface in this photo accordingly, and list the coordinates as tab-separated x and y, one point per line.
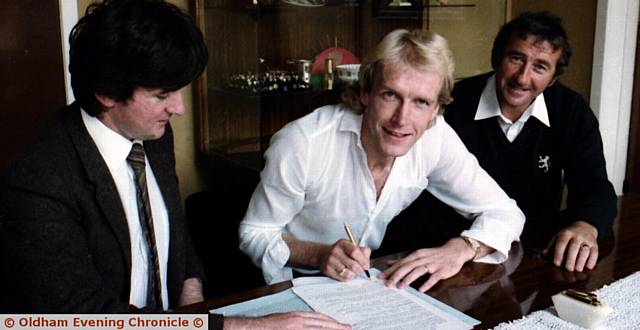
523	284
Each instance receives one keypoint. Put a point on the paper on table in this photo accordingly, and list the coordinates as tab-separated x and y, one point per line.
281	302
287	301
367	304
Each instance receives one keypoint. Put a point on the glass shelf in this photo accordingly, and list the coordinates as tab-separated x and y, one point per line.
242	37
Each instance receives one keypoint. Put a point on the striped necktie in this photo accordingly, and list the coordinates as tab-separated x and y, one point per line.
136	160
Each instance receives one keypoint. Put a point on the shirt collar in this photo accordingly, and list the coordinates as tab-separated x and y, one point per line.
489	107
113	147
351	122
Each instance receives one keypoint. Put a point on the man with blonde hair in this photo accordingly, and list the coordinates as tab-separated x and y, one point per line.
362	162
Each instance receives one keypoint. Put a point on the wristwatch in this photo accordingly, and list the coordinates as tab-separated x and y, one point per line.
473	244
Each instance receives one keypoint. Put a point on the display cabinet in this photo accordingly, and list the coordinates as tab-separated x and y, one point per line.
255	81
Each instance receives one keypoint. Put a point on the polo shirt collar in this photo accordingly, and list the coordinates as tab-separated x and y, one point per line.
489	107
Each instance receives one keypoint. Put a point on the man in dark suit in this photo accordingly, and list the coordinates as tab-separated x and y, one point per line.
90	214
65	238
70	233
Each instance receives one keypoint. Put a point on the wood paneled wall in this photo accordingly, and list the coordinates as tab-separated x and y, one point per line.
32	84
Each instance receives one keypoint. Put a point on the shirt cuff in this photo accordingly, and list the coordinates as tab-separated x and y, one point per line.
501	246
274	261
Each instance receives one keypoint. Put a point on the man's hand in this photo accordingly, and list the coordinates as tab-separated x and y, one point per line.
284	321
441	262
340	261
191	292
343	260
576	245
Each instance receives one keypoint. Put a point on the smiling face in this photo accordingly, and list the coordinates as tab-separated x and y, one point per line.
400	106
144	116
527	67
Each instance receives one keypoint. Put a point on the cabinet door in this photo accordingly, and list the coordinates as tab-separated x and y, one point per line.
32	72
253	84
249	40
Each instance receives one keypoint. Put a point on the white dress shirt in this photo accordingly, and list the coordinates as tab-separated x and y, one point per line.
316	178
489	107
114	149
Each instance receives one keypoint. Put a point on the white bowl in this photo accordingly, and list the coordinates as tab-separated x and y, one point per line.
348	72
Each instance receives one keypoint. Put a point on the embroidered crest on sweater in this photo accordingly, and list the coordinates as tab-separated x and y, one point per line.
544	163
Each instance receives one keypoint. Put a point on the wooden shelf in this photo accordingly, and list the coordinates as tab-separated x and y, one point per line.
237	125
311	92
381	10
276	6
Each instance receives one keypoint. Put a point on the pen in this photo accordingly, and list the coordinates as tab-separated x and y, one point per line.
348	230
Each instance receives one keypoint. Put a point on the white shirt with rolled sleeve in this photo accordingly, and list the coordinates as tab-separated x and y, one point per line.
316	178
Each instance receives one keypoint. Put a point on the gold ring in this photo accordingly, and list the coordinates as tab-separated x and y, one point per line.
343	272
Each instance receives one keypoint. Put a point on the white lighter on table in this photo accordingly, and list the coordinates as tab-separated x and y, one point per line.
580	308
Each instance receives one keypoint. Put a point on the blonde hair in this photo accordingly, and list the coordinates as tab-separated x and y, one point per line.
421	50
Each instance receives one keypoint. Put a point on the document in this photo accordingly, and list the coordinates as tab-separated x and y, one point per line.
363	303
369	304
281	302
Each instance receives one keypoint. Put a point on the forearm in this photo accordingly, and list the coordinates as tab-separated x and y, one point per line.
241	323
591	196
497	228
305	254
462	184
191	292
596	206
291	320
469	253
193	264
236	323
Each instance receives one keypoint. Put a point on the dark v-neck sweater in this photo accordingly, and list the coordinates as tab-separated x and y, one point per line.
535	166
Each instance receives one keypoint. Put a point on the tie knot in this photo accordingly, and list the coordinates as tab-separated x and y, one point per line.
136	156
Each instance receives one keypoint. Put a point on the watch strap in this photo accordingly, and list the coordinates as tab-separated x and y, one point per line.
473	244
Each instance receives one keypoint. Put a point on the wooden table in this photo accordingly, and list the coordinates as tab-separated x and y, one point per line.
523	284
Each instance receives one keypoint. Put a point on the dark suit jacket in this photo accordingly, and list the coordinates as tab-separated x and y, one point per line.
64	239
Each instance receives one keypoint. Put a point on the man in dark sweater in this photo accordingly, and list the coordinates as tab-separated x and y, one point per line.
533	135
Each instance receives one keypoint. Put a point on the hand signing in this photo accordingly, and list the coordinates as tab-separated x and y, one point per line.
441	262
576	246
344	260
